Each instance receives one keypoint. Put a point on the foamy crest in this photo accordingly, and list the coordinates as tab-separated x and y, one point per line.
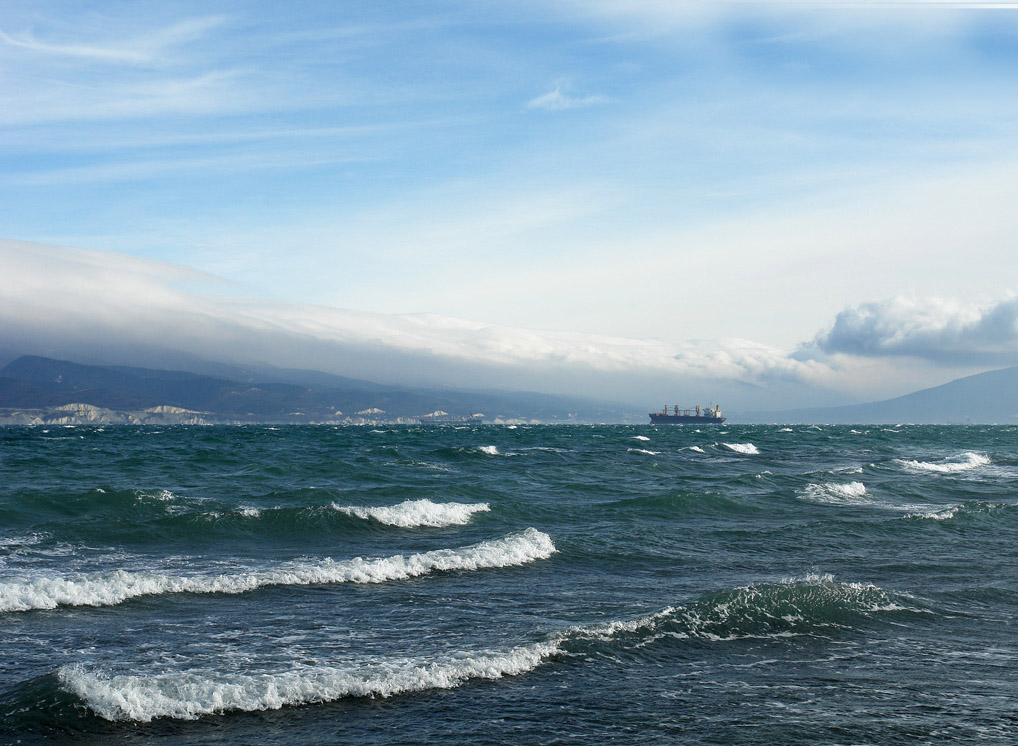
746	448
836	492
111	588
189	695
490	450
790	607
644	450
698	449
964	462
7	542
415	513
937	515
640	437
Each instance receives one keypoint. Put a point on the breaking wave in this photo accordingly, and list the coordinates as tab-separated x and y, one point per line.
836	492
974	510
814	605
644	450
189	695
746	448
416	513
490	450
964	462
111	588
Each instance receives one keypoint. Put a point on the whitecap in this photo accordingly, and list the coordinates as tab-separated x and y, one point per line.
745	448
415	513
943	514
640	437
490	450
698	449
26	540
190	694
964	462
111	588
836	492
644	450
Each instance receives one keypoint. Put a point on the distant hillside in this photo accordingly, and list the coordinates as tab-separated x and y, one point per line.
268	395
985	398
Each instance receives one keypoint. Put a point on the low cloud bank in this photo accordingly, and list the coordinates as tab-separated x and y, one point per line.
935	329
102	306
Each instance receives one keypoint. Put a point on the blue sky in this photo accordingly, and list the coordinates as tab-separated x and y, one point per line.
658	171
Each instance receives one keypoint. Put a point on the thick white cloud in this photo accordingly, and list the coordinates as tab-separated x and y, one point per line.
932	328
114	308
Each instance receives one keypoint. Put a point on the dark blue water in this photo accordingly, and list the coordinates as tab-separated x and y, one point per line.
499	585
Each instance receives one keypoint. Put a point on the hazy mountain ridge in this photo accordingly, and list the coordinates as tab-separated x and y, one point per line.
984	398
37	384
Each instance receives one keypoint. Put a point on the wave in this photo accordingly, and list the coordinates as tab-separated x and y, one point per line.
746	448
969	510
836	492
810	605
132	516
490	450
189	695
814	605
943	514
644	450
964	462
416	513
111	588
698	449
640	437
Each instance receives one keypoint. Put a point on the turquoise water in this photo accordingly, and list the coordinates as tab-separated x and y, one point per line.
509	585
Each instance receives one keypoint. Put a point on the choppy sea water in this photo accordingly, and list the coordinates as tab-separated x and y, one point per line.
509	585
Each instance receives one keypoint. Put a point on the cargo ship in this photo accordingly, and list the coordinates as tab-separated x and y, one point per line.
709	415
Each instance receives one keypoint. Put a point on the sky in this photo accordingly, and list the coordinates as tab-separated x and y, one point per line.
778	202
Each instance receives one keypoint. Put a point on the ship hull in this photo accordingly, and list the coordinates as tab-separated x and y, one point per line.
670	419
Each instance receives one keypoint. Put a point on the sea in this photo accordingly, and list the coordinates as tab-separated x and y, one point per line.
520	584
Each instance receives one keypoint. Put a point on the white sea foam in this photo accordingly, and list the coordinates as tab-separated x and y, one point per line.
837	492
490	450
248	512
111	588
698	449
746	448
943	514
415	513
786	430
7	542
964	462
191	694
644	450
640	437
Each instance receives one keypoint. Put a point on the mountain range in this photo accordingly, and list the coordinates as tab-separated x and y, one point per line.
41	389
265	395
984	398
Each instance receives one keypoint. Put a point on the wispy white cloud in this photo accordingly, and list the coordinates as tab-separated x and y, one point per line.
141	49
556	100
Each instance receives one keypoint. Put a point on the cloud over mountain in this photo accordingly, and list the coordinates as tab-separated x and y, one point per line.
96	305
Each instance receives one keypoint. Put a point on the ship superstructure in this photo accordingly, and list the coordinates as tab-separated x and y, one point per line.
709	415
